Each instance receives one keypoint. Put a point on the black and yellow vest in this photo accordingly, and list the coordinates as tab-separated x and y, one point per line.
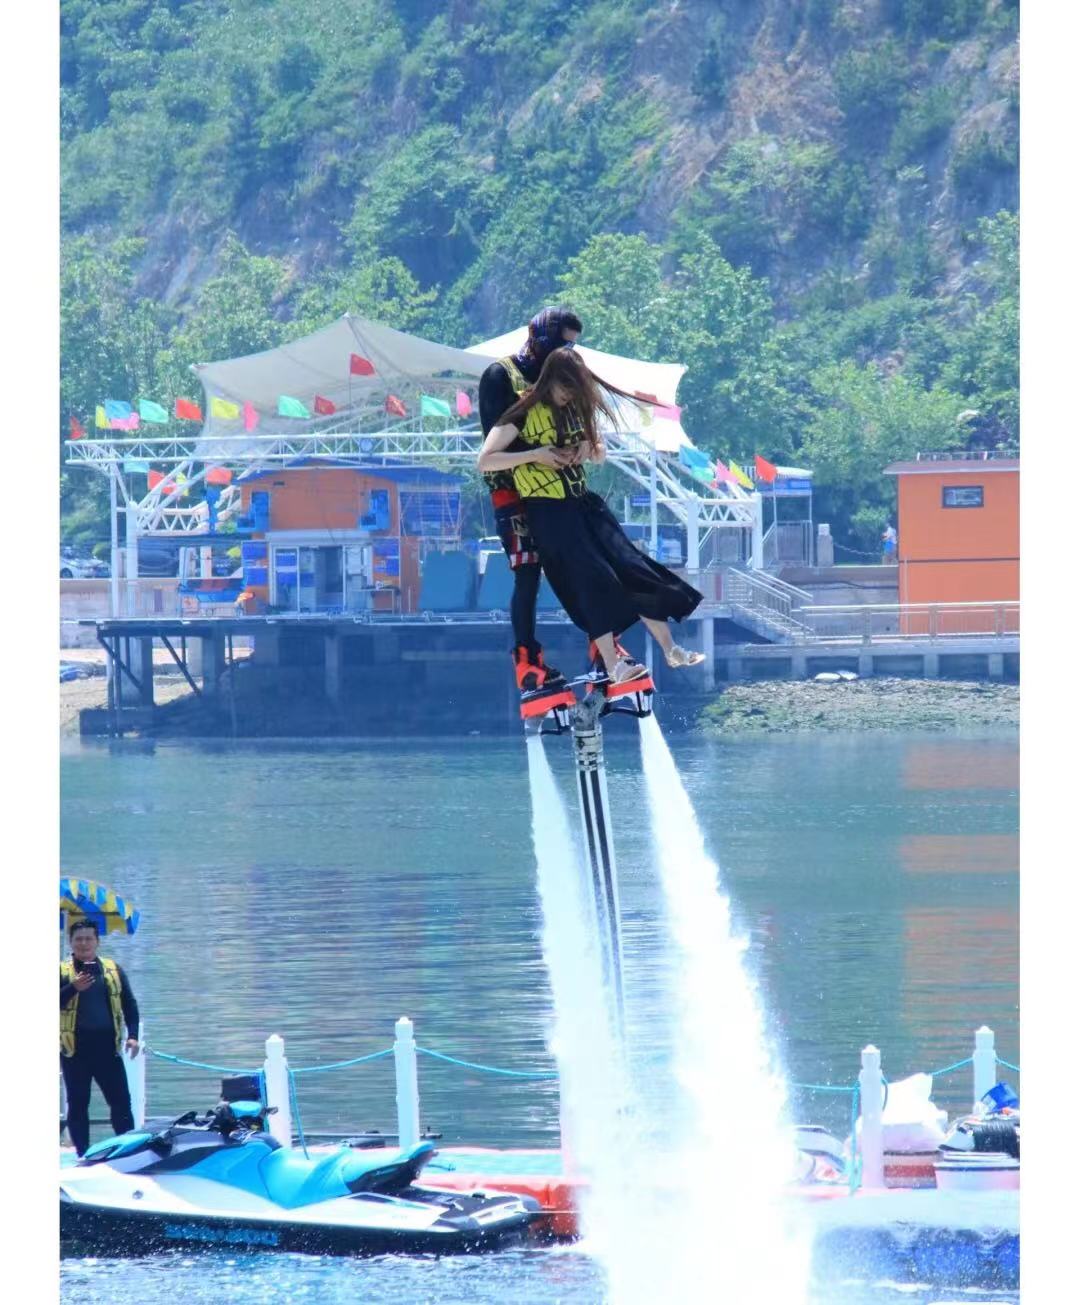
533	479
505	479
69	1012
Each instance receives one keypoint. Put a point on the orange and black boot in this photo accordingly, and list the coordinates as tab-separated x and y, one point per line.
533	674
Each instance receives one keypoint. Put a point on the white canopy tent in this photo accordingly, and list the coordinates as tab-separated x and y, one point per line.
244	429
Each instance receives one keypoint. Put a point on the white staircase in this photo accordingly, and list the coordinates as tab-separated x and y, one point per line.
766	605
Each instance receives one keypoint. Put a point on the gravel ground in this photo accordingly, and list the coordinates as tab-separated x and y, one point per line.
783	706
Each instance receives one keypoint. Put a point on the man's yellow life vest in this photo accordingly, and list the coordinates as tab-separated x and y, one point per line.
69	1013
505	479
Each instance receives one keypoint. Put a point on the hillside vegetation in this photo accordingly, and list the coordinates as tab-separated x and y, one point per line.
811	203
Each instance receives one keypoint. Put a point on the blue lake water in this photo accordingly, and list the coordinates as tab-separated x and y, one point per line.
320	891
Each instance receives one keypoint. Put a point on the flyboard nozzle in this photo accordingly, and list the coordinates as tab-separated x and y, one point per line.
599	849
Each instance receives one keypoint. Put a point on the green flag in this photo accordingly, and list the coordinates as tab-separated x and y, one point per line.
430	407
152	412
288	407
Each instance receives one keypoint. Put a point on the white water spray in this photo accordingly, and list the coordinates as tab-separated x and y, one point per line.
603	1141
729	1136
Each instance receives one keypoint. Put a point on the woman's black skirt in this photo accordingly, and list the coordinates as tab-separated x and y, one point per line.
603	581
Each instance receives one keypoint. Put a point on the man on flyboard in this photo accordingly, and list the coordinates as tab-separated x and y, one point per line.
500	386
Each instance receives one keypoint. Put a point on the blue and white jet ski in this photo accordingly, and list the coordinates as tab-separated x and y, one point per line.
220	1180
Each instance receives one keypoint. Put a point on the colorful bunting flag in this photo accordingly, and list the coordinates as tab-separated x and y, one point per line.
130	422
188	411
670	412
463	404
395	407
218	476
359	366
741	478
764	470
117	409
290	407
432	407
251	417
136	465
723	476
324	407
100	420
155	478
152	412
646	398
223	409
77	432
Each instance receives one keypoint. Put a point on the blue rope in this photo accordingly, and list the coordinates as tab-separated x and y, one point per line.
196	1064
344	1064
822	1087
1015	1068
938	1073
296	1112
489	1069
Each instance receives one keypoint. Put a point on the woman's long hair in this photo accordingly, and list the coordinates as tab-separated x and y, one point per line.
588	394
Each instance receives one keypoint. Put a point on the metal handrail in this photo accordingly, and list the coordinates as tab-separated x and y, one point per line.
910	621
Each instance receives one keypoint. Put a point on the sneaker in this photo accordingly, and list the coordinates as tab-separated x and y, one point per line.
533	673
683	657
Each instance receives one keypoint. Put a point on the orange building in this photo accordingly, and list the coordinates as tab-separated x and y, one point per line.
958	522
341	538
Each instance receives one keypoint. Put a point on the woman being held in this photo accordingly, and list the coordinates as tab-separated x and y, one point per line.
603	581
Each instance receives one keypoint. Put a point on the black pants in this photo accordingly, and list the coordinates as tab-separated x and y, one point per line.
96	1059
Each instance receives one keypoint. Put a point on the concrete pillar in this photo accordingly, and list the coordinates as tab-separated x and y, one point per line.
708	647
128	694
213	664
931	665
408	1091
266	646
798	665
332	649
757	534
995	666
734	669
866	664
144	669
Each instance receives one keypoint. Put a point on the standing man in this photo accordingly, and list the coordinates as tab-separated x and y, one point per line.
500	386
96	1002
888	544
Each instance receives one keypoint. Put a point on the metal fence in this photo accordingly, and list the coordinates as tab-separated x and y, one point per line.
888	622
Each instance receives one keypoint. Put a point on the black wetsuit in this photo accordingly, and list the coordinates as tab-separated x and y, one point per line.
96	1058
495	397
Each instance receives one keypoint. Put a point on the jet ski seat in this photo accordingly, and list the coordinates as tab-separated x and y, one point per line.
292	1180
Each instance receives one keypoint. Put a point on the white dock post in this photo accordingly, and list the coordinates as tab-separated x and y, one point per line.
135	1069
872	1138
408	1089
276	1072
984	1063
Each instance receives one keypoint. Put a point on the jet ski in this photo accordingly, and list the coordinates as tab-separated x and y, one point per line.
221	1180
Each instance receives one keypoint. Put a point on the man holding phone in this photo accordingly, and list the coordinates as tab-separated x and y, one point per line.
96	1002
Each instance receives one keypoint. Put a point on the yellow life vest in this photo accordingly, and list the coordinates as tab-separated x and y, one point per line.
533	479
505	479
69	1012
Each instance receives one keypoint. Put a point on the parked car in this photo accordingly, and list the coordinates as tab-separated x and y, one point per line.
76	566
158	558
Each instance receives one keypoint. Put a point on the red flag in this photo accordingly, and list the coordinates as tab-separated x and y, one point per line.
77	432
155	478
359	366
218	476
764	470
323	406
395	407
188	411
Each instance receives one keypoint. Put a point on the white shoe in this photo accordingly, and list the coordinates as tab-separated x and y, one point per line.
626	670
683	657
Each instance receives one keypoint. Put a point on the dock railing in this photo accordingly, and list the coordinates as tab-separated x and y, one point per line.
896	622
867	1093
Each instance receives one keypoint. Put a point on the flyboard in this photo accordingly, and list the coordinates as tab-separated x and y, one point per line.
564	712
